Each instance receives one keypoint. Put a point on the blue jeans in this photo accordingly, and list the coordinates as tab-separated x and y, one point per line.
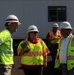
65	71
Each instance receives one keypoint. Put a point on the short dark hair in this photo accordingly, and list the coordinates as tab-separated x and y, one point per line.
6	24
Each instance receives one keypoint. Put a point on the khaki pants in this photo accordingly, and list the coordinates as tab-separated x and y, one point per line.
5	69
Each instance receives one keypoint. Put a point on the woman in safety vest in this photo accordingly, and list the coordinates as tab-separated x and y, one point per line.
65	53
33	52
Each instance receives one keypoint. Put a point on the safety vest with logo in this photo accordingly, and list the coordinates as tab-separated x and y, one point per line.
70	55
36	53
6	48
53	37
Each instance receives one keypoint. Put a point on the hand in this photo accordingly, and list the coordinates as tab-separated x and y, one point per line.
49	58
57	38
27	48
45	64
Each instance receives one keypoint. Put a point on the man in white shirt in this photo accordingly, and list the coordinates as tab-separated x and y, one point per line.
65	53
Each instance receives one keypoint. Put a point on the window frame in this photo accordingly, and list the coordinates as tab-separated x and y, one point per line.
55	16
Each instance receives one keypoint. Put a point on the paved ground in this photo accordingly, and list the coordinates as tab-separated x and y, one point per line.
17	67
47	71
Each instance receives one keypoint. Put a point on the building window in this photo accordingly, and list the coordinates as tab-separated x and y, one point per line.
56	13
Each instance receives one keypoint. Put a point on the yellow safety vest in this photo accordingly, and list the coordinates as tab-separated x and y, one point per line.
70	55
52	36
35	55
6	48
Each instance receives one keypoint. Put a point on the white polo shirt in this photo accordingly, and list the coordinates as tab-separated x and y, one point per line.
63	49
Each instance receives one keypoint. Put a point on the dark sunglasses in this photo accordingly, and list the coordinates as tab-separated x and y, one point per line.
34	32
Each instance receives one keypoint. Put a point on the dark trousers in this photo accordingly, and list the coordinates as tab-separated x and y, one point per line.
65	70
53	49
32	71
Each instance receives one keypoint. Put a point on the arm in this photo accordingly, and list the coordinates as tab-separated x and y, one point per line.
48	39
22	48
45	61
45	52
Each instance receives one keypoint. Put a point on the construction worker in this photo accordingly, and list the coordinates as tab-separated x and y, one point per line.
6	44
53	36
33	52
65	53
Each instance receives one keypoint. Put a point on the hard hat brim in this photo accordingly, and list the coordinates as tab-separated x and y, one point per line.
32	31
19	23
66	28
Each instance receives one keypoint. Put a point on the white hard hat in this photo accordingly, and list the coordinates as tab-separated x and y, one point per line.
12	18
32	28
55	25
65	25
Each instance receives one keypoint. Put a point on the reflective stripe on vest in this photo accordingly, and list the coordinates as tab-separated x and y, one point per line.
70	57
52	36
6	52
36	53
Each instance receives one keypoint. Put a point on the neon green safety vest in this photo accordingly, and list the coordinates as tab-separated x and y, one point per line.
6	48
70	55
35	55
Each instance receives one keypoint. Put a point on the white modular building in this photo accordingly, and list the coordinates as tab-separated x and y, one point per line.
42	13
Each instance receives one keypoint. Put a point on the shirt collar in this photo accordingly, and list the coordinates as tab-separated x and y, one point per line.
69	35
